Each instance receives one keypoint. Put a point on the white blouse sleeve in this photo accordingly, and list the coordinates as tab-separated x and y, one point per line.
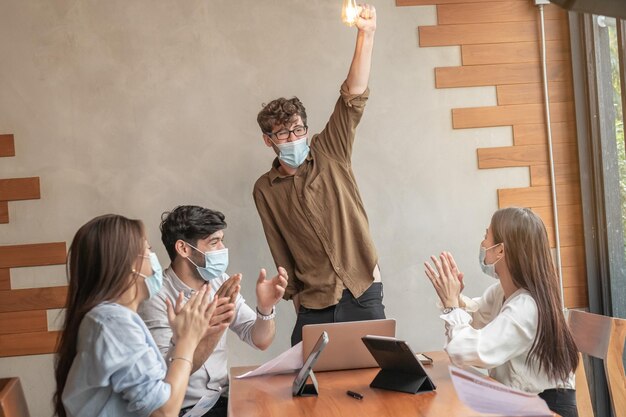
482	308
508	335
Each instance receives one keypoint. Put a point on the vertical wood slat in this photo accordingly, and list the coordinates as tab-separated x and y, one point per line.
5	279
477	33
494	12
35	343
7	145
4	212
35	254
23	322
513	52
19	189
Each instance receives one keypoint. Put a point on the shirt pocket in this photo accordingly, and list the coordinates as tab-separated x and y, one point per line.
323	191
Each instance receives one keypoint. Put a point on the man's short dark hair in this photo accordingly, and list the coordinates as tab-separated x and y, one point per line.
190	224
280	112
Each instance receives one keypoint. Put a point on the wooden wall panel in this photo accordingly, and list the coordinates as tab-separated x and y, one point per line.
468	34
569	215
510	115
23	322
569	236
23	312
5	279
36	254
4	212
532	134
518	156
576	297
494	12
36	343
32	299
499	47
485	75
513	52
564	173
431	2
571	255
19	189
7	145
538	196
558	91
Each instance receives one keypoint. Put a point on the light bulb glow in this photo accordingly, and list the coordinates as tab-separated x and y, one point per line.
349	12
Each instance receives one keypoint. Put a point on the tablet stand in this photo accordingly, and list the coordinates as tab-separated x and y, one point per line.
402	381
308	390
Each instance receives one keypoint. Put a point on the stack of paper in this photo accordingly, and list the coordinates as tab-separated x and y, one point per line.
488	396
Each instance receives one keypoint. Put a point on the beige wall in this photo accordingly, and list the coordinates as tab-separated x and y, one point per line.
134	107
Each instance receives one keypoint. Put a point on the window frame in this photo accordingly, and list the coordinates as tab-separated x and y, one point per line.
604	248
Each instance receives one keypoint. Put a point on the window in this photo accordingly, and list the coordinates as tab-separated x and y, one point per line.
598	51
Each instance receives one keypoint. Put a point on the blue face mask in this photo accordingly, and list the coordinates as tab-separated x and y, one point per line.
215	263
293	153
154	282
488	269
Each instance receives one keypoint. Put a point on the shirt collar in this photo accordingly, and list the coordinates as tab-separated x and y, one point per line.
275	173
177	283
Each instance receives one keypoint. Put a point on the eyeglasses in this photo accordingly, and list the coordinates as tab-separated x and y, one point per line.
283	135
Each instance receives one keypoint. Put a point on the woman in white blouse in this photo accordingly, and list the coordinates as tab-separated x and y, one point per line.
516	330
107	362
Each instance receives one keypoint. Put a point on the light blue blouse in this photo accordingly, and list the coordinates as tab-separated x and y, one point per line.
118	369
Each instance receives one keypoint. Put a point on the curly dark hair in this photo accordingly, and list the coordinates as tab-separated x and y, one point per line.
280	112
190	224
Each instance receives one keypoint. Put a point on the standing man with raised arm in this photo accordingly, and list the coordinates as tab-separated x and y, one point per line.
310	206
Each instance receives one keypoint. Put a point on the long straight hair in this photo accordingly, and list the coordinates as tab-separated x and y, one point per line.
530	263
103	254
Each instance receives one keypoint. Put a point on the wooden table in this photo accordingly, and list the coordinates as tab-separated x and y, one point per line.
271	395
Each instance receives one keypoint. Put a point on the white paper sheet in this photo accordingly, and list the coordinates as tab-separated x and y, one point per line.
487	396
288	361
201	407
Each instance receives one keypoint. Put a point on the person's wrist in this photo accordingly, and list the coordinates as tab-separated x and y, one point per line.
264	314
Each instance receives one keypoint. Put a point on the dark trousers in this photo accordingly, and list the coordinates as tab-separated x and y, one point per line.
369	306
561	401
220	409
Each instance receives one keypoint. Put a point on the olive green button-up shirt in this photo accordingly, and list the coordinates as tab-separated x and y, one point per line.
314	221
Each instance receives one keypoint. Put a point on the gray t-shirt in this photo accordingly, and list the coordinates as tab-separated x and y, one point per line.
211	379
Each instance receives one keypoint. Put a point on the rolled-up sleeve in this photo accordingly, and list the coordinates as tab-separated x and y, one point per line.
118	369
337	138
244	321
133	368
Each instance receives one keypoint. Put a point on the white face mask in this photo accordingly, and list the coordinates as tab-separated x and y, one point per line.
293	153
488	269
215	263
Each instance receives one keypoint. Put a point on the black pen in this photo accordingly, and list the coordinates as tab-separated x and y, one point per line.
355	395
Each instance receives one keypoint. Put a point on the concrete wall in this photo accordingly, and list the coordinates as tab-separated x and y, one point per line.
135	107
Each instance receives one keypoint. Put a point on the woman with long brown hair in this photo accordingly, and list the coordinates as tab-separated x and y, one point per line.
107	363
516	330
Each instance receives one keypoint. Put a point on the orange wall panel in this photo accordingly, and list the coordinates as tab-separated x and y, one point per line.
513	52
501	11
7	145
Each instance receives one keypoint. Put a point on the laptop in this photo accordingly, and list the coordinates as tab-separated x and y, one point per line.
345	350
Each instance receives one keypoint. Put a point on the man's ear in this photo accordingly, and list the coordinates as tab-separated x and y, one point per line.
182	249
267	140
